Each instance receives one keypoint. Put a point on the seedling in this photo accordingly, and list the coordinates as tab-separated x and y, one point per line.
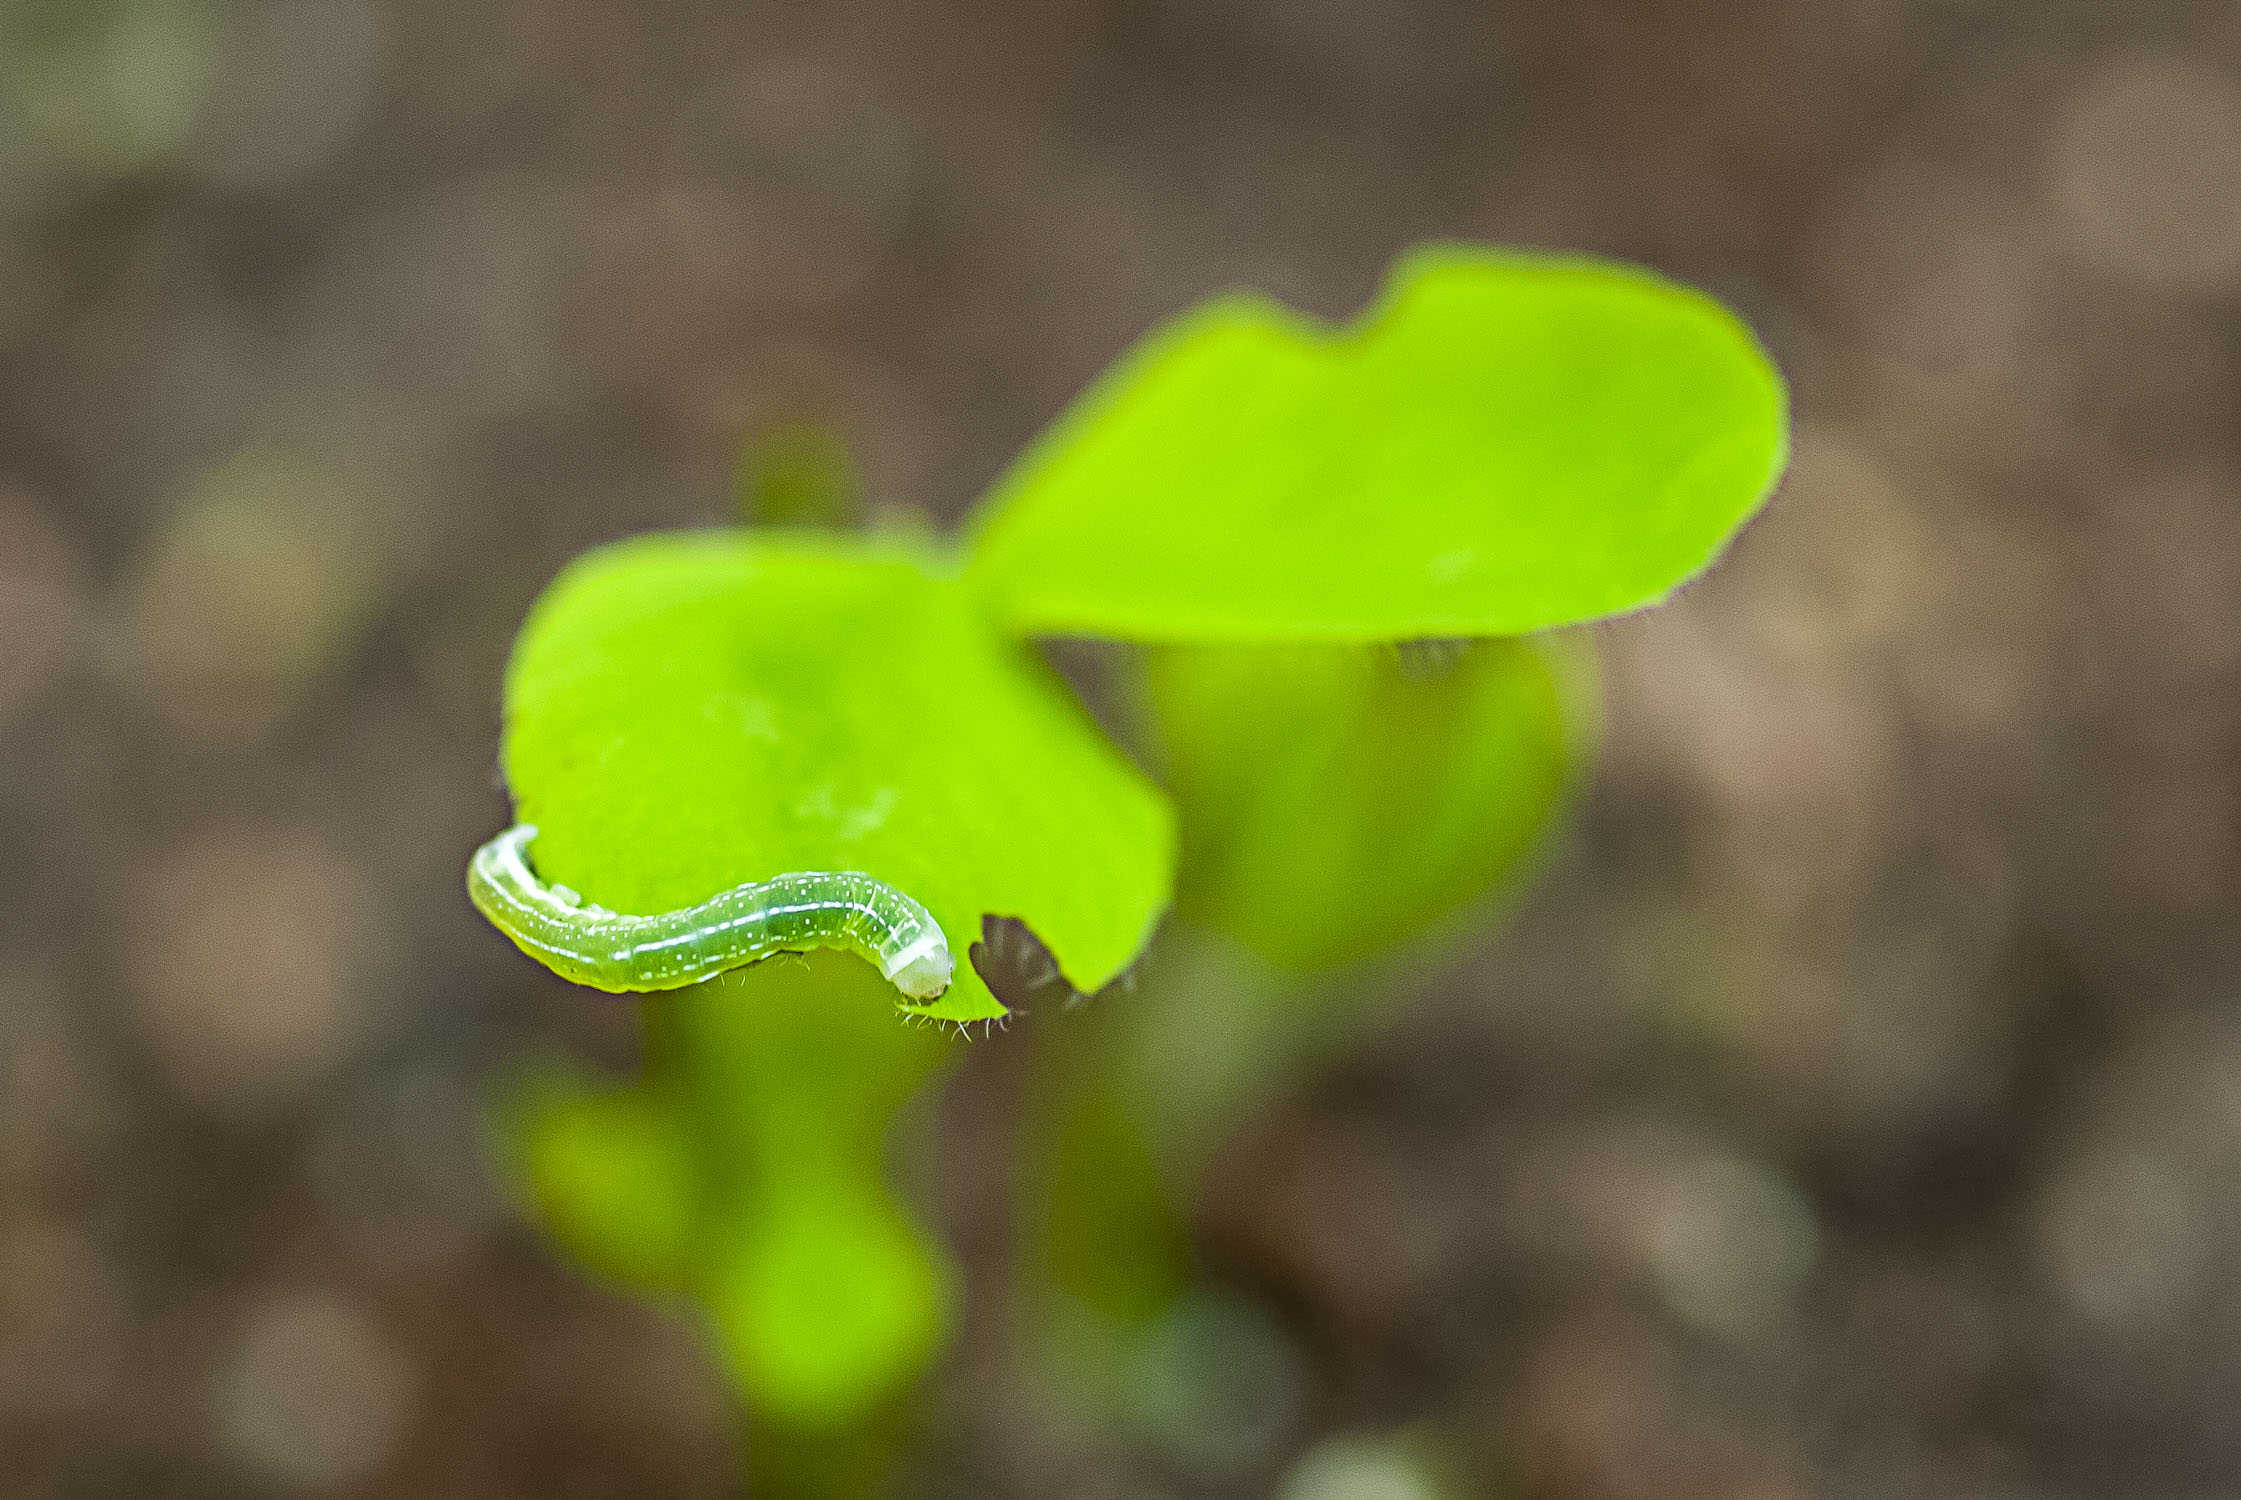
1339	550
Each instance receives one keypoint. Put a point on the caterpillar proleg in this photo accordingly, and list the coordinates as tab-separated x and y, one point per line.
668	950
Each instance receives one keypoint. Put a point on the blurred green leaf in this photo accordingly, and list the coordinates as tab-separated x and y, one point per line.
688	712
611	1173
747	1170
1504	443
1338	799
826	1299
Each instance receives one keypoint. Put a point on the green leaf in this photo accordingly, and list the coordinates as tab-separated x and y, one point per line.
826	1301
685	713
1504	443
826	1293
1337	799
747	1171
610	1172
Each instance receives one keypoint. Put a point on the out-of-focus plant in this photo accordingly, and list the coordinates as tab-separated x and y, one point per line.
1337	549
685	714
1337	801
1343	550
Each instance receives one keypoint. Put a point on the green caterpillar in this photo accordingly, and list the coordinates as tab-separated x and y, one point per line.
613	951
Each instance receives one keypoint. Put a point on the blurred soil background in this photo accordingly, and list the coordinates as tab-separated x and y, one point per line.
1854	1110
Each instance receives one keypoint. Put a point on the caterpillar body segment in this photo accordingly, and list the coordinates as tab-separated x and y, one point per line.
616	951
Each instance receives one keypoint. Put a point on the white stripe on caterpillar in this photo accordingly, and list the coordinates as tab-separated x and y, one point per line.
614	951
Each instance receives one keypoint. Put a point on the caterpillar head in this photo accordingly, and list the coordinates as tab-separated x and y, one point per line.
924	969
